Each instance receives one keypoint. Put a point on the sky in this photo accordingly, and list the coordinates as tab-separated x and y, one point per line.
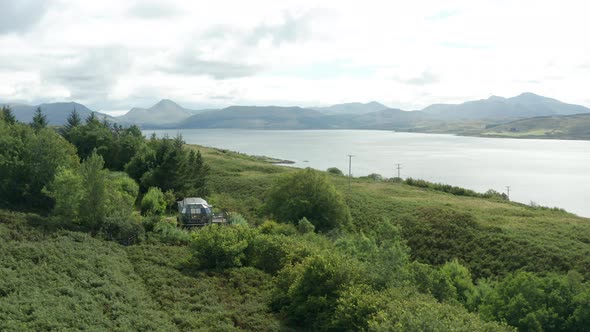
112	55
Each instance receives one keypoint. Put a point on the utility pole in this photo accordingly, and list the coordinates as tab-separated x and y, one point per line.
399	166
508	192
349	169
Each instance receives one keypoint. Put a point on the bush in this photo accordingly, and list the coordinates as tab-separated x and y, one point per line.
154	202
273	227
375	177
235	218
335	171
307	293
305	226
166	232
220	247
308	193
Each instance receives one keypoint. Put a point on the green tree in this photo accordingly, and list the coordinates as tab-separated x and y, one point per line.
39	120
74	120
219	247
305	226
308	193
460	278
166	163
67	191
153	202
93	203
307	293
7	115
91	136
335	171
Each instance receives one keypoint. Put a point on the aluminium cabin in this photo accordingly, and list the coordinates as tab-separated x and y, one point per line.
196	212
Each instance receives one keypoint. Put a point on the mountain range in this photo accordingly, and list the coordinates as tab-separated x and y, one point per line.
373	115
522	106
56	113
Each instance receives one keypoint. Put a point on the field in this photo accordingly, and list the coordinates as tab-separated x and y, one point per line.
63	280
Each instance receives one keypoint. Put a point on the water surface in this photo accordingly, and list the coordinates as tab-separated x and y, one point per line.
547	172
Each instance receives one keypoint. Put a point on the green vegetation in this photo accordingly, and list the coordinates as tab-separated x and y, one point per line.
309	194
555	127
303	251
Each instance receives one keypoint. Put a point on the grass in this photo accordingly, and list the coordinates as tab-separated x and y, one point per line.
59	280
545	239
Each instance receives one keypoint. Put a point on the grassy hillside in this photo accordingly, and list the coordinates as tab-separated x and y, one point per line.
494	237
555	127
53	279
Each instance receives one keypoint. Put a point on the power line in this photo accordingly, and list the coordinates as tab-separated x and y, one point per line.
398	167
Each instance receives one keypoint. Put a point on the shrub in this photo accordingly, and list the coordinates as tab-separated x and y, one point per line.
154	202
220	247
335	171
305	226
307	293
375	177
235	218
308	193
166	232
273	227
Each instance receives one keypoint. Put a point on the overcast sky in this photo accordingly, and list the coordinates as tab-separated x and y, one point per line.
114	55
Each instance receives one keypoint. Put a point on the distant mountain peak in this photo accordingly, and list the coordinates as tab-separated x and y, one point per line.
352	108
166	103
529	94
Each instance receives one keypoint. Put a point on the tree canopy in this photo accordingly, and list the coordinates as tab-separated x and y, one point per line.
310	194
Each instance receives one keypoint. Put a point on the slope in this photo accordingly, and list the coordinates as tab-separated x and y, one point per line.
56	113
164	112
521	106
556	127
500	237
256	117
351	108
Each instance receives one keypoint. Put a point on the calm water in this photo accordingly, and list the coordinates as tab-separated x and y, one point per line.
547	172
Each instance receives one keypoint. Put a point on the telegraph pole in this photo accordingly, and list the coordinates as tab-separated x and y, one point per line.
399	166
349	169
508	192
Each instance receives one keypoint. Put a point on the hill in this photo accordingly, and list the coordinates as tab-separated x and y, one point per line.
351	108
402	253
164	112
256	117
56	113
556	127
386	119
521	106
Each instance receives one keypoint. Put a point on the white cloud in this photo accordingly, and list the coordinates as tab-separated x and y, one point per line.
406	54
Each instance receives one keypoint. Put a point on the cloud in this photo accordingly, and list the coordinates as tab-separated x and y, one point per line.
90	75
189	63
443	15
424	79
154	10
20	15
292	28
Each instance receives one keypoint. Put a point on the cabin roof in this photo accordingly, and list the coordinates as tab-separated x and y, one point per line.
193	200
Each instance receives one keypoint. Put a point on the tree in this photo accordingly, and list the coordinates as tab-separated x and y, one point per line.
67	191
93	203
39	120
153	202
308	193
218	247
74	120
166	163
335	171
7	115
29	160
